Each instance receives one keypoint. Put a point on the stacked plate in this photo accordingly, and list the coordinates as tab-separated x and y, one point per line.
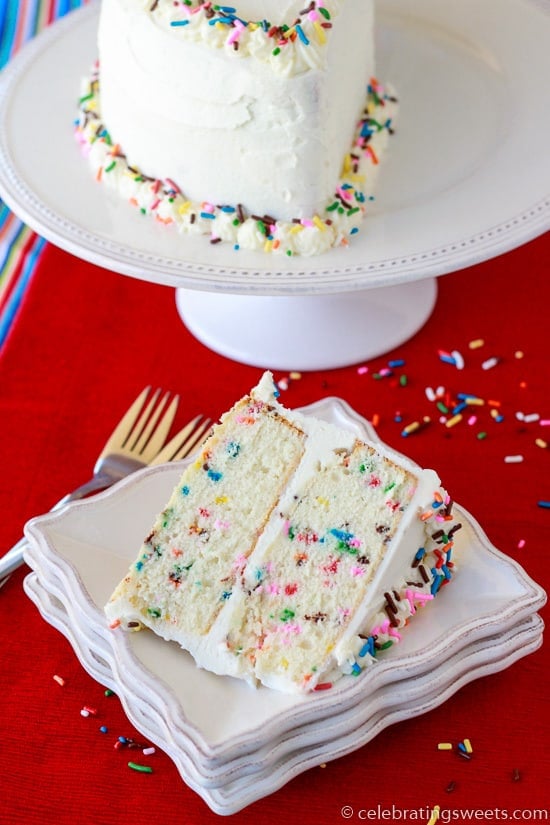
230	743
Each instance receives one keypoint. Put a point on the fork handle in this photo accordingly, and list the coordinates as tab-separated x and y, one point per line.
14	558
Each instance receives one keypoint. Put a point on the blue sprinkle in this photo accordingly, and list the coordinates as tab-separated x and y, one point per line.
302	35
448	359
436	584
104	729
208	215
233	449
185	490
179	22
354	231
397	362
139	565
368	647
420	553
215	475
342	535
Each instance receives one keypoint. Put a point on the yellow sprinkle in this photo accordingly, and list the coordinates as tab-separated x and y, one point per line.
329	648
474	402
495	413
268	246
445	746
323	765
319	223
284	663
476	343
295	376
518	354
198	463
222	500
541	443
323	501
320	32
454	420
184	207
296	228
468	746
435	815
347	164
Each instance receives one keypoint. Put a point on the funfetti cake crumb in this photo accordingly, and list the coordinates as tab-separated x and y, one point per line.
290	553
261	124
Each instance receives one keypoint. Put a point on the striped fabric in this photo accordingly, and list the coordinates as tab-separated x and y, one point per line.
20	247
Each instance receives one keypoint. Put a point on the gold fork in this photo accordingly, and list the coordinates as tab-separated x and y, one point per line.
136	442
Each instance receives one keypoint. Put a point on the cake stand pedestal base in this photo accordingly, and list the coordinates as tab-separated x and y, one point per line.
307	332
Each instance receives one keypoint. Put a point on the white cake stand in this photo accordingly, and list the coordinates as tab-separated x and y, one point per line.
467	179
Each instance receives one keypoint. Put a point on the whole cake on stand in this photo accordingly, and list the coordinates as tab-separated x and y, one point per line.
261	125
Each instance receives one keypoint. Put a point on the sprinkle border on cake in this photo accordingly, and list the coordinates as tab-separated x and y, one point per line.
289	48
165	200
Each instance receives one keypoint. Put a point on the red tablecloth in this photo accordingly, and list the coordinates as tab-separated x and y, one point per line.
86	341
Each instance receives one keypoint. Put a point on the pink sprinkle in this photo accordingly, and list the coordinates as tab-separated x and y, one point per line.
344	193
240	561
410	598
59	679
472	419
423	597
357	571
521	544
238	28
173	186
362	370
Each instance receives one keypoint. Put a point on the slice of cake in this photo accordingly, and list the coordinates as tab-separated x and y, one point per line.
290	553
258	123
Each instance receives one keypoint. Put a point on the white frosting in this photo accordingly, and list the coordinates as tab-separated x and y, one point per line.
270	134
